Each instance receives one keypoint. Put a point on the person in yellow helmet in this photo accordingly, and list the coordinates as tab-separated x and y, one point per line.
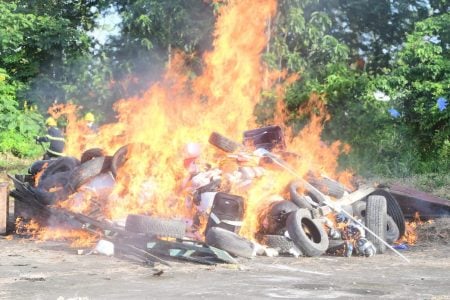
90	119
54	137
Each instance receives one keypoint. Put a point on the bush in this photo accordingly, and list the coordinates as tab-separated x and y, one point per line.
18	126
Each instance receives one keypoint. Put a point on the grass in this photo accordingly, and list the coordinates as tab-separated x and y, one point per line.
10	164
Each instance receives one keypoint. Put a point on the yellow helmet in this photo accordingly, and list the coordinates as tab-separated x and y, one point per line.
89	117
50	122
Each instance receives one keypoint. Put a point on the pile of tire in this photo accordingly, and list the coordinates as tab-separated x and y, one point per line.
292	229
382	214
63	176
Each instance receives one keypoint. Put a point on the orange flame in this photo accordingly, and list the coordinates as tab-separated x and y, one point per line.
181	109
410	237
78	238
38	175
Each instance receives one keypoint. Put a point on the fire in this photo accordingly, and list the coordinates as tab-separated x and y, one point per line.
410	237
78	238
38	175
181	109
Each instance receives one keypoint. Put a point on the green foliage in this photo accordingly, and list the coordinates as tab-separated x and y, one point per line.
17	126
381	144
375	29
418	79
31	44
302	44
152	30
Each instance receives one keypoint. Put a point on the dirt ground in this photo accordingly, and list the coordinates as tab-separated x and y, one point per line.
52	270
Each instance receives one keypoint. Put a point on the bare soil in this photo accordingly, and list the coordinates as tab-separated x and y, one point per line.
52	270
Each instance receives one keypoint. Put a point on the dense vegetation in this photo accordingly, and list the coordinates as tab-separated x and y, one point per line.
382	67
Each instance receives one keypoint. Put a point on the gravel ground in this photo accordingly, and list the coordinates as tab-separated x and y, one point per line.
51	270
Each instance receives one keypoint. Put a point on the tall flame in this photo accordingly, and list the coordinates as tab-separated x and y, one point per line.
180	109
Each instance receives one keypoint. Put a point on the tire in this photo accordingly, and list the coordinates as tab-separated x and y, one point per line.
301	200
327	186
229	241
37	166
88	170
60	179
359	209
307	234
280	209
90	154
223	143
376	220
278	213
155	226
278	242
393	209
120	156
392	231
58	165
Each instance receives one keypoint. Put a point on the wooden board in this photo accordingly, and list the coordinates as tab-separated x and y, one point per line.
4	206
412	201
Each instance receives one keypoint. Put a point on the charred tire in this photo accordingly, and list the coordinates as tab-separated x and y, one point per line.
88	170
90	154
393	209
278	242
37	166
359	209
376	221
308	234
392	232
223	143
327	186
121	156
277	215
229	241
57	180
155	226
302	201
280	209
59	165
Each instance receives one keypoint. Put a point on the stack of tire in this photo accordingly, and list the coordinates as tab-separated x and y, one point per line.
63	176
304	234
292	229
382	214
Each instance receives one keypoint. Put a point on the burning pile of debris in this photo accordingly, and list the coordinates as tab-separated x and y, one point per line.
276	191
310	216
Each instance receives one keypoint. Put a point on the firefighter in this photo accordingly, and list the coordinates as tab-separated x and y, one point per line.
55	138
90	119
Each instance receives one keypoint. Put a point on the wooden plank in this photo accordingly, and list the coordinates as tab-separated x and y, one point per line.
357	195
412	201
4	207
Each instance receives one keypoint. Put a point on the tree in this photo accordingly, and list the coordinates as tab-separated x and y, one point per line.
420	88
373	30
152	30
302	44
18	125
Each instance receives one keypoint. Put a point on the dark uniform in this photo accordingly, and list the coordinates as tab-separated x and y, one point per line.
55	138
